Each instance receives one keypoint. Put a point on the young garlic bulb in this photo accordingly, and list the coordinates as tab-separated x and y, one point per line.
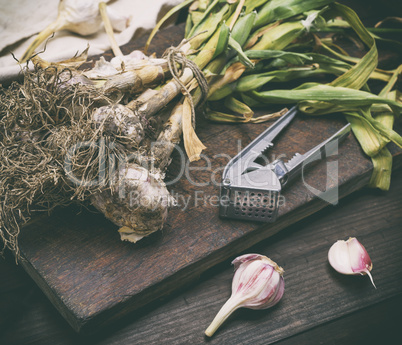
257	284
350	257
139	200
138	203
78	16
119	120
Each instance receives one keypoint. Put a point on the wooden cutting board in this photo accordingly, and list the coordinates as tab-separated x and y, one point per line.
93	278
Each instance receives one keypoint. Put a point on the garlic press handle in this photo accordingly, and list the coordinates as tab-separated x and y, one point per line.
291	169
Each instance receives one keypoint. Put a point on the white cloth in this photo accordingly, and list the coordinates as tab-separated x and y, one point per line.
20	19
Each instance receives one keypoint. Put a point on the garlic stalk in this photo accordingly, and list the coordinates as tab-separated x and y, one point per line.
350	257
109	29
79	16
257	284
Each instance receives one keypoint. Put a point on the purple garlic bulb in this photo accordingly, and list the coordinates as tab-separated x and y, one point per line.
257	284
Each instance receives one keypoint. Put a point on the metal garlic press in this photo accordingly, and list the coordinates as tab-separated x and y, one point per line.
250	189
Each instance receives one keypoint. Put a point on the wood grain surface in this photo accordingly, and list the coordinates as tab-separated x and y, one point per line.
93	278
319	306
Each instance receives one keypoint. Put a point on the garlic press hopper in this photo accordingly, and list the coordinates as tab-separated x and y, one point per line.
250	190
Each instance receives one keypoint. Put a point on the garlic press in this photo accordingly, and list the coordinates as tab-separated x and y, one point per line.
250	188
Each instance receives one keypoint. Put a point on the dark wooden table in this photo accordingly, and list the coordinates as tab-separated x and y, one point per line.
358	314
27	316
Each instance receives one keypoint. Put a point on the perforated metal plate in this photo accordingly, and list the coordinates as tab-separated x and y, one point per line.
256	205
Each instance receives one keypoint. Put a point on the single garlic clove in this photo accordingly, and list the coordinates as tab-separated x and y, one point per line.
359	258
257	284
338	257
350	257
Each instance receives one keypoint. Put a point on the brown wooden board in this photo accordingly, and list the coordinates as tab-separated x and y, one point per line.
93	278
320	306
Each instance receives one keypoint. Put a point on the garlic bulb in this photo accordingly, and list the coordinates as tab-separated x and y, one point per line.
350	257
138	202
78	16
119	120
257	284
